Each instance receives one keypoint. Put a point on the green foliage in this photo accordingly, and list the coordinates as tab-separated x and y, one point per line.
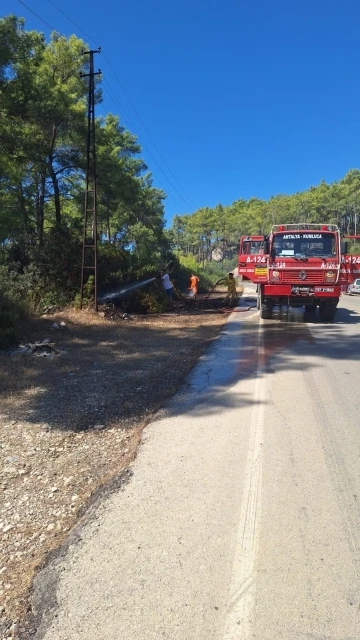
12	306
114	266
210	233
152	302
8	319
187	265
43	128
87	294
355	248
52	274
13	300
13	283
149	300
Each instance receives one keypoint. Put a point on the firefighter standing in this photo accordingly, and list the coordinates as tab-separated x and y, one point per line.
194	280
231	289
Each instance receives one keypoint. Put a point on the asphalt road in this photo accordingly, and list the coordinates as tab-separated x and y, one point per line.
242	519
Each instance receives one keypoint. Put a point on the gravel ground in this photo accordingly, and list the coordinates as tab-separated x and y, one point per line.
71	421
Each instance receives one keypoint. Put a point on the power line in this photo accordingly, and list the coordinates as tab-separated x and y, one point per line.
39	17
74	23
147	131
189	200
126	118
145	146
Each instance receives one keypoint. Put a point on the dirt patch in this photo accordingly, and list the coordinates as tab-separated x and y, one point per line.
71	420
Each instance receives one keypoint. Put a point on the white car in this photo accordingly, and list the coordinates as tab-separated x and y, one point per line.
354	287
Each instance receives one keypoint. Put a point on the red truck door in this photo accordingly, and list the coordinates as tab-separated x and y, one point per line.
350	263
349	269
253	259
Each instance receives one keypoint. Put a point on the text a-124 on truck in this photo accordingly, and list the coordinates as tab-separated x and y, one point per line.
299	265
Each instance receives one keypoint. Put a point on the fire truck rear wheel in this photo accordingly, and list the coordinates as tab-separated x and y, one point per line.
327	312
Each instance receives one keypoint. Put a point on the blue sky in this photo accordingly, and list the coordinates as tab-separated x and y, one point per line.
242	98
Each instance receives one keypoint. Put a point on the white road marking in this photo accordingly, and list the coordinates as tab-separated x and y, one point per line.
240	618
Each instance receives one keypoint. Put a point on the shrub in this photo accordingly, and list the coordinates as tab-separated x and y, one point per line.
354	248
185	266
151	299
153	303
9	315
53	273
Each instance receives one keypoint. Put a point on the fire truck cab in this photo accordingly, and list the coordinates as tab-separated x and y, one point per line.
298	265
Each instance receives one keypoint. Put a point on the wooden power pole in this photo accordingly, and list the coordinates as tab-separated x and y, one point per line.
89	263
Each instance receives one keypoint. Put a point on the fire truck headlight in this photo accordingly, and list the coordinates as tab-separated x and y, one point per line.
330	276
275	275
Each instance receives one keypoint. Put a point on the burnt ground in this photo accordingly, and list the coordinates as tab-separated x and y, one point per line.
71	421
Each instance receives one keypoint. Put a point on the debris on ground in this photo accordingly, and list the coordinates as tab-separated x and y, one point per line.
39	348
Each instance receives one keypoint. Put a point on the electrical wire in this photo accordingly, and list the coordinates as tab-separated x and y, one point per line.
74	23
49	26
114	98
147	131
126	118
187	201
127	96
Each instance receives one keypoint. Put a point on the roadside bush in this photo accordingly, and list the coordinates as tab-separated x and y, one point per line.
9	315
114	267
185	266
53	273
88	294
13	283
149	300
354	248
33	277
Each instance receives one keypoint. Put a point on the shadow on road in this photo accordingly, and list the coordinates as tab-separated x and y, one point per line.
104	377
284	347
343	316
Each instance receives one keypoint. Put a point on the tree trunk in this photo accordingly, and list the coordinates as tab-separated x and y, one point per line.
24	211
108	220
54	180
40	205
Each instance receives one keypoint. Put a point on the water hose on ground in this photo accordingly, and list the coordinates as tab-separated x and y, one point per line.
237	309
222	310
196	301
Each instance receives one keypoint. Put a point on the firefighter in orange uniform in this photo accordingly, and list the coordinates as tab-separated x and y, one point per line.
194	280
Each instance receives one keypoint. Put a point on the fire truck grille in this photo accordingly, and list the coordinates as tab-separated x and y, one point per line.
293	277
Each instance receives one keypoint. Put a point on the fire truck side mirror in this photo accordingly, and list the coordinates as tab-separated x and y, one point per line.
266	245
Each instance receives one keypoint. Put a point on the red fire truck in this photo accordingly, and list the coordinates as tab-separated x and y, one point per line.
299	265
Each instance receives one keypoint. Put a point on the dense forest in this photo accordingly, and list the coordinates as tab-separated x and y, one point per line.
43	131
212	234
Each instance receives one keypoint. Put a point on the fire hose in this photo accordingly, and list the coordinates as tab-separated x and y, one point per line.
198	302
192	300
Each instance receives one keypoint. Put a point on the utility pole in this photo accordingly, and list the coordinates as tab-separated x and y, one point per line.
90	238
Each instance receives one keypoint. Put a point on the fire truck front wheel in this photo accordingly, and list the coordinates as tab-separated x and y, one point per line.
264	305
265	310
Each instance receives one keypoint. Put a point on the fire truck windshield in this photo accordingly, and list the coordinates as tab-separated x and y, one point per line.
304	244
